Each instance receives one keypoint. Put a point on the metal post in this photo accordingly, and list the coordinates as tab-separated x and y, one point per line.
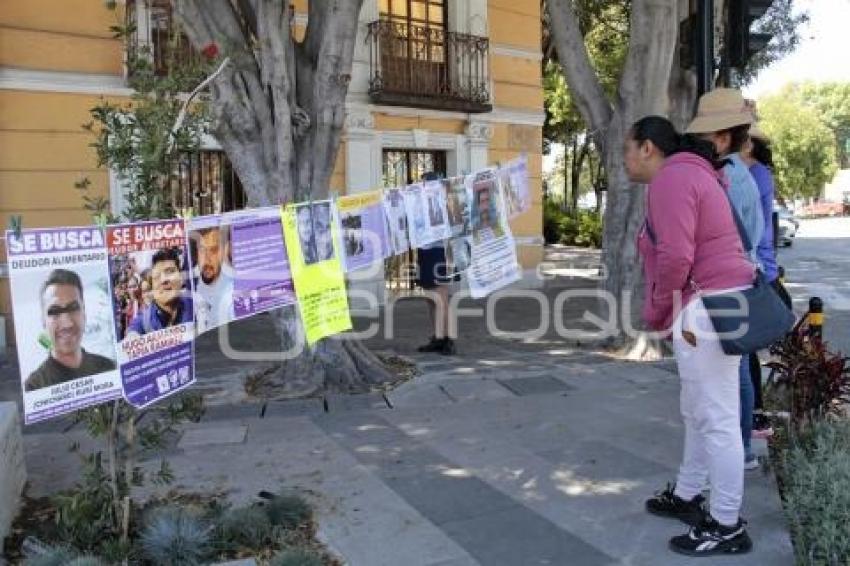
816	317
705	46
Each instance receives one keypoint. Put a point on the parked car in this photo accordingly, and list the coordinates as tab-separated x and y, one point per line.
787	231
823	208
783	212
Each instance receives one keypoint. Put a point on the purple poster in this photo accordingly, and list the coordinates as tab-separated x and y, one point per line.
152	303
363	230
261	269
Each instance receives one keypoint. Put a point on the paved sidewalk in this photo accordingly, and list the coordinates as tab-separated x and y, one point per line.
516	452
511	459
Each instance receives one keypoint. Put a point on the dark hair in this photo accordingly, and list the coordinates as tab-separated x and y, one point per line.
166	254
738	135
63	277
663	135
762	152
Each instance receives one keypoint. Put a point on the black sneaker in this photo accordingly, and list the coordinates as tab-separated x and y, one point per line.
667	504
710	538
448	348
435	345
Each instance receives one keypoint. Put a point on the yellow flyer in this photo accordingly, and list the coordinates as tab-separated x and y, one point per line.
310	236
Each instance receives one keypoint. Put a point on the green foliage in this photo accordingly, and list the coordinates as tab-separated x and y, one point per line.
831	101
784	24
175	537
244	527
136	140
288	511
817	493
562	228
297	557
85	515
605	26
804	149
56	557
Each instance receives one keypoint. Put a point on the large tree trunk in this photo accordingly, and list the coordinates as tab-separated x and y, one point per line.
643	90
279	110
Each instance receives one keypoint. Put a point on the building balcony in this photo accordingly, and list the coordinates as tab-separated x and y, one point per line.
155	39
428	67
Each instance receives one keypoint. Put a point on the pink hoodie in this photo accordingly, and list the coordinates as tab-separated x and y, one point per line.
689	234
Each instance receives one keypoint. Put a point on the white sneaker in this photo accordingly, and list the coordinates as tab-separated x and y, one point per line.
751	464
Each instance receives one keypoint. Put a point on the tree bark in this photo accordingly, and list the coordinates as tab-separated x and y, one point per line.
579	155
643	90
279	110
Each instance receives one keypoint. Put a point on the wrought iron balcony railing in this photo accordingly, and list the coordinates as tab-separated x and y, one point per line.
154	38
420	66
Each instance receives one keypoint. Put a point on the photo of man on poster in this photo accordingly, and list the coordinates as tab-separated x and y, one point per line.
486	224
213	277
171	305
64	321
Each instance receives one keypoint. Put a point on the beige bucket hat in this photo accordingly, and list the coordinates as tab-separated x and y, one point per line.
757	133
721	109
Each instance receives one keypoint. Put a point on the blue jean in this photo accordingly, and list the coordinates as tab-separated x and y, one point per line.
747	402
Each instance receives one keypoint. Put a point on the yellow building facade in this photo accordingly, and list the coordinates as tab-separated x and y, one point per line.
58	59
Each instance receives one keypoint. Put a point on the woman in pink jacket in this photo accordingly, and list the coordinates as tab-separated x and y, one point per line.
690	246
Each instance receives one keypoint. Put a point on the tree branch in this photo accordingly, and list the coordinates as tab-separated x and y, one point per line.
582	79
652	45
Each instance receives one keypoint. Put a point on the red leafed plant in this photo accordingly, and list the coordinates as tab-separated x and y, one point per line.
814	381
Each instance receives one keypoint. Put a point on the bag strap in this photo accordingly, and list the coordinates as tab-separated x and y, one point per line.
742	232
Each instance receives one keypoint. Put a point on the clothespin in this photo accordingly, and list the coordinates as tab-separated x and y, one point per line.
15	225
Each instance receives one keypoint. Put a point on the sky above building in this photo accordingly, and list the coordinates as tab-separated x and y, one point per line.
821	55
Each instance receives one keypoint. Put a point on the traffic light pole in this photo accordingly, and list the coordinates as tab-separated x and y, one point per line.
705	46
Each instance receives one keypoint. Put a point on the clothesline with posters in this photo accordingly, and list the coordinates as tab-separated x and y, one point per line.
105	312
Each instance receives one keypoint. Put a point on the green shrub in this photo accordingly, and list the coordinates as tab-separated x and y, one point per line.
589	232
244	527
817	493
297	557
175	537
56	557
561	227
288	511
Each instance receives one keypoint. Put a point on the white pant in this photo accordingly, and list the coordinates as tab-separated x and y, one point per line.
710	405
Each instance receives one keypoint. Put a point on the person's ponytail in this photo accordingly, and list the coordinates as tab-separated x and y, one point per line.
689	143
663	135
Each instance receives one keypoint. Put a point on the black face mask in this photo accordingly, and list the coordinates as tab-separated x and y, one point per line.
70	308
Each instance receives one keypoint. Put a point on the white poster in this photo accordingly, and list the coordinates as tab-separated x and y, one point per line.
426	213
64	320
396	216
513	177
493	262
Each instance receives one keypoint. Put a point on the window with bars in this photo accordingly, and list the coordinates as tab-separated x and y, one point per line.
206	183
403	167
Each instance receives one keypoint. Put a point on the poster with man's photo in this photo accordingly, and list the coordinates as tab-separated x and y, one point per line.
363	230
458	246
513	177
396	215
493	261
152	297
426	213
310	237
63	320
239	266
